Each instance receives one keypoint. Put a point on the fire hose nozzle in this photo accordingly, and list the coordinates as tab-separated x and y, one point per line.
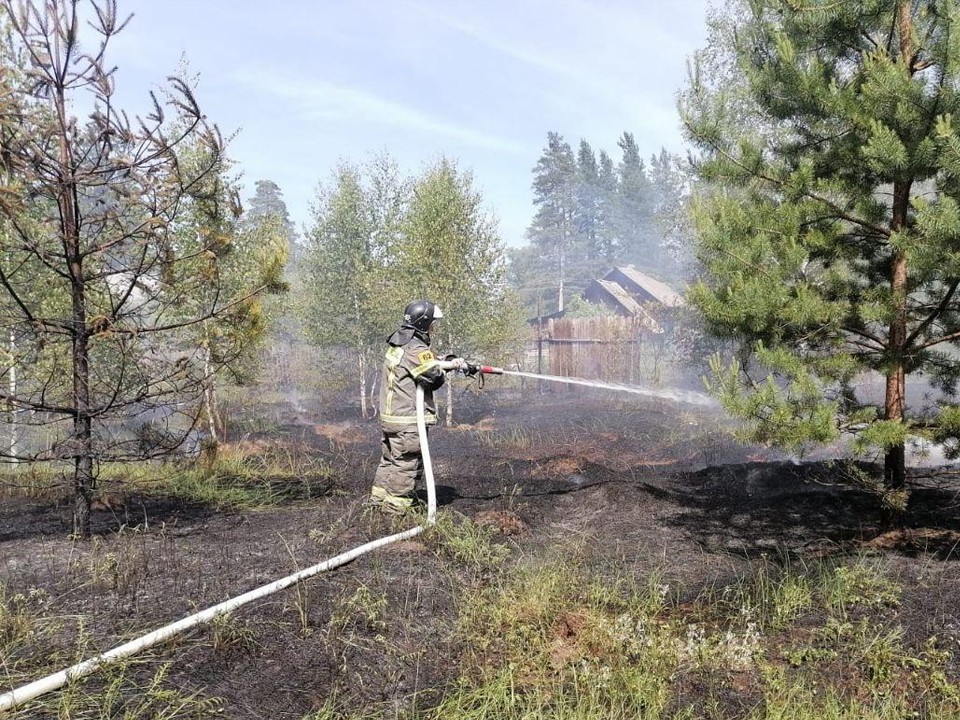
477	369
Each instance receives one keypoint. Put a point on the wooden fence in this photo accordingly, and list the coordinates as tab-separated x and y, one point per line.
602	348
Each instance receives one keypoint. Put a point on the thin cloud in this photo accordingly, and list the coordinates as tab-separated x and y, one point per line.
582	72
524	55
329	101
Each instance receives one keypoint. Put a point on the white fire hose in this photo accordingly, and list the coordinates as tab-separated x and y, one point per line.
22	694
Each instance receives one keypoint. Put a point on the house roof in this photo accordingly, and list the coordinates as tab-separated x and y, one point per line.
556	315
621	297
661	292
628	304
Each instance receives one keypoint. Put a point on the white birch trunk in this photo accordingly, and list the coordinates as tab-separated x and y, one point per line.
12	386
362	369
210	398
449	403
560	287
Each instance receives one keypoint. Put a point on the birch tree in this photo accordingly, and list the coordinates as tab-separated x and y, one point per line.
451	253
350	291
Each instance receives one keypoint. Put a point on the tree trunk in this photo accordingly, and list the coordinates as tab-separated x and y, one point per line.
210	409
14	411
894	470
362	373
83	479
82	446
894	463
563	270
210	404
539	345
449	404
374	391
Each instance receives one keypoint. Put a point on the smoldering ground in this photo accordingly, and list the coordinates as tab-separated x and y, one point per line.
633	485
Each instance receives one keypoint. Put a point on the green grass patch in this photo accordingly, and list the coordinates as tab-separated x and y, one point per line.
556	639
244	476
123	691
472	547
274	475
33	480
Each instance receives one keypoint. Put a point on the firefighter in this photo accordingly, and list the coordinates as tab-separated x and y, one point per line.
408	362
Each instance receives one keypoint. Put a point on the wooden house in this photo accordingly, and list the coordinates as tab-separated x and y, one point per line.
609	348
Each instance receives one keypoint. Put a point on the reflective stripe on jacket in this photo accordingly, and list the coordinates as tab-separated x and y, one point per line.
405	367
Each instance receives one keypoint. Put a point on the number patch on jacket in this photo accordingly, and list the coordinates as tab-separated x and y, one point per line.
425	357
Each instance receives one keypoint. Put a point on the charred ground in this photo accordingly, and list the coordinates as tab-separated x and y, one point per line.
635	486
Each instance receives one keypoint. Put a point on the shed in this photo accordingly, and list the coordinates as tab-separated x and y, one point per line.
616	297
644	288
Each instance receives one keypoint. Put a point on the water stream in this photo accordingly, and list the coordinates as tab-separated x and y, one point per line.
684	396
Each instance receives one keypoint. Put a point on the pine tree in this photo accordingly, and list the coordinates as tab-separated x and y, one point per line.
635	230
244	262
94	213
607	234
554	194
587	195
831	237
267	202
531	279
670	192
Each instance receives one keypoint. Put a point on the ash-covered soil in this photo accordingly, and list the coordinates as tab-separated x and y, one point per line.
636	485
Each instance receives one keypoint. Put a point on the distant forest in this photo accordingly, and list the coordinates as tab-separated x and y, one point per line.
593	213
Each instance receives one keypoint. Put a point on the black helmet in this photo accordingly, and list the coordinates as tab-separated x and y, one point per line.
420	314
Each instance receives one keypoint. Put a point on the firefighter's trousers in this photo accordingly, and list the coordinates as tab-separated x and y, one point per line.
401	462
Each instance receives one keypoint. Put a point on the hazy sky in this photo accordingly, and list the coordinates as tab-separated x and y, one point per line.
304	83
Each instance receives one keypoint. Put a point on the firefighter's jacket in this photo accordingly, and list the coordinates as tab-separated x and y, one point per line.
408	362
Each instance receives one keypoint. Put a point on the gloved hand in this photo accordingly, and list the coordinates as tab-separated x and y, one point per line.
452	362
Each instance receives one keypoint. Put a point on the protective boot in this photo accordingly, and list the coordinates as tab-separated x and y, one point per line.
389	503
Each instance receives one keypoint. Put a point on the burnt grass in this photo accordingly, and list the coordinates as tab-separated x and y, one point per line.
638	485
